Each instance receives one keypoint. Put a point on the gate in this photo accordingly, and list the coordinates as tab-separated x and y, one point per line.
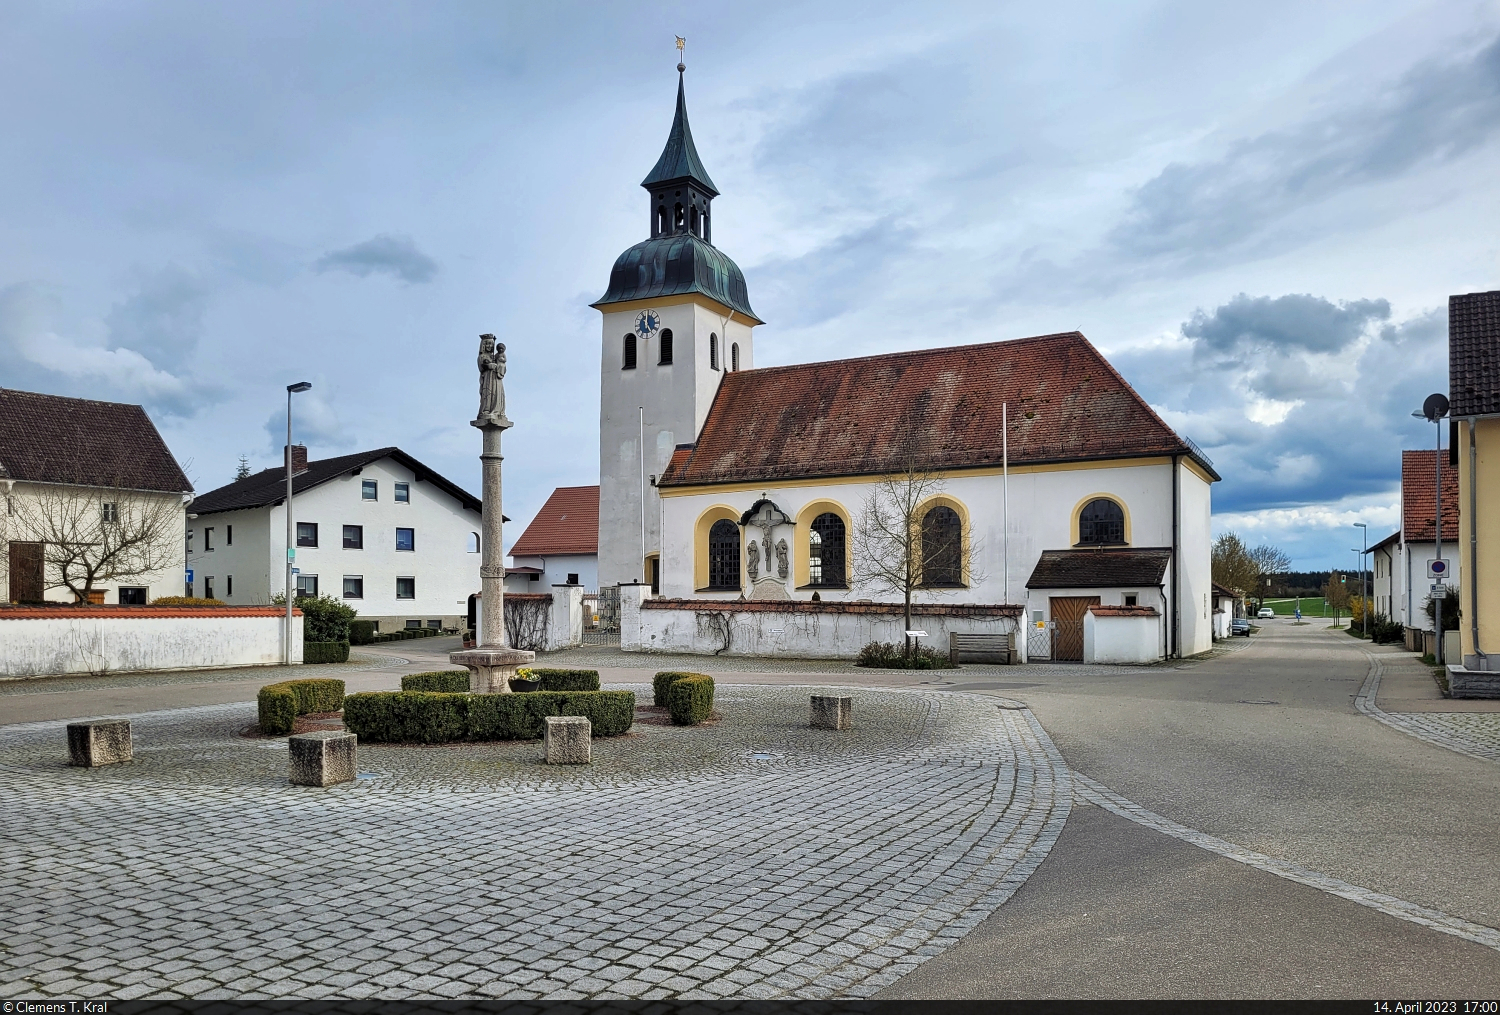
27	573
601	617
1067	614
1039	640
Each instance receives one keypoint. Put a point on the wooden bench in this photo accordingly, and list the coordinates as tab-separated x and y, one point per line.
981	648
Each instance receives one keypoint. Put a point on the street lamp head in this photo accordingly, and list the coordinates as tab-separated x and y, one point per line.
1360	525
299	386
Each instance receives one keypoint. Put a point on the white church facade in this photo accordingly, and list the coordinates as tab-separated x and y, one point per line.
1057	502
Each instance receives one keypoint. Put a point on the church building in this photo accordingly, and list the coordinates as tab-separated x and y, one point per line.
1053	495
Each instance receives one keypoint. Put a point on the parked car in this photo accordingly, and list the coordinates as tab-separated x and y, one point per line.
1239	625
1266	613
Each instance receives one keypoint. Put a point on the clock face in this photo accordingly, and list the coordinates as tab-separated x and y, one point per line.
647	323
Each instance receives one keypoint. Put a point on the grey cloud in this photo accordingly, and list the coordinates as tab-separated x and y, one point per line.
315	423
1297	321
1437	111
384	254
163	320
831	279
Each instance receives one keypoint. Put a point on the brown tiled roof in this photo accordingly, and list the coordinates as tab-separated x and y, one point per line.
1221	590
1418	506
805	606
53	439
1099	569
1394	537
1124	611
855	417
567	523
1474	354
269	485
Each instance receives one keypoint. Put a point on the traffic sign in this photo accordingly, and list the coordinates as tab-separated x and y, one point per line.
190	576
1437	569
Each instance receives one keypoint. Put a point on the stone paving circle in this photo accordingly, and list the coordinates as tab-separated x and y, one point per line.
754	858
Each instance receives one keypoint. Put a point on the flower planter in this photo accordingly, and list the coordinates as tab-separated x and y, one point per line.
525	685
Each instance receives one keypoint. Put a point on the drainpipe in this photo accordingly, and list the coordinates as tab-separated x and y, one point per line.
1161	590
1482	661
1176	577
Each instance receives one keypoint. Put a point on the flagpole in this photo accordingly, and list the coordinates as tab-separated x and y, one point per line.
1005	480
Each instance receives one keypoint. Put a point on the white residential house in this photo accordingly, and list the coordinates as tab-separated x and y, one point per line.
1400	562
89	488
560	546
719	481
379	529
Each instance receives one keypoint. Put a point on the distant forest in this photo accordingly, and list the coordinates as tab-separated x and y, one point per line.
1307	583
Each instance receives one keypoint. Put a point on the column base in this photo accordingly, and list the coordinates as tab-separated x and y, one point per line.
490	669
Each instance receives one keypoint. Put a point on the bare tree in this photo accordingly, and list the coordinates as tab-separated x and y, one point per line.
890	554
1336	594
1236	566
93	536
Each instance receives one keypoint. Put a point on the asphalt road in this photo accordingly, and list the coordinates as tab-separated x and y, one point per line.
1120	910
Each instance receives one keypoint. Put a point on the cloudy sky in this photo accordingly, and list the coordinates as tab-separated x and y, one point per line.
1256	210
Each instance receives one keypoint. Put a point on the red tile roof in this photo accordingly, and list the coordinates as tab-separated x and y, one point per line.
54	439
856	417
567	523
1418	505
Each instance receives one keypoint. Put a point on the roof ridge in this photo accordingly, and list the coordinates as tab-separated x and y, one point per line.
912	352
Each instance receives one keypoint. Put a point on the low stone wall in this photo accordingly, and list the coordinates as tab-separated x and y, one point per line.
793	628
44	642
1122	634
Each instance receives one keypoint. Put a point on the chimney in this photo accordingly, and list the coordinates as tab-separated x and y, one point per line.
299	458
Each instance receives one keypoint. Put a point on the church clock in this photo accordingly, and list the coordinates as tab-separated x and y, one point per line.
647	323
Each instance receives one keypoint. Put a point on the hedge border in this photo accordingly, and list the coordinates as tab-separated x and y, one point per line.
278	705
566	680
430	717
690	700
664	680
441	681
318	652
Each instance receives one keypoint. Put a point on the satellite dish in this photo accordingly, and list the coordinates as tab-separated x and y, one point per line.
1435	407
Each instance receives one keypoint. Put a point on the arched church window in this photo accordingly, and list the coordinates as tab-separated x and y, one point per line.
713	351
1101	521
942	547
707	232
734	356
473	542
677	219
825	551
629	360
664	345
724	555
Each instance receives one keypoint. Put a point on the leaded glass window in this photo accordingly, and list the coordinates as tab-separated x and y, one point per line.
724	555
825	551
1101	521
942	547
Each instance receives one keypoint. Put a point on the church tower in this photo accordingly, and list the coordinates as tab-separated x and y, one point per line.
676	317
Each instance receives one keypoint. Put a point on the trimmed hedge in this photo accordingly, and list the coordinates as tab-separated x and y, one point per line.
690	700
186	601
325	652
664	680
428	717
442	681
362	632
280	704
567	680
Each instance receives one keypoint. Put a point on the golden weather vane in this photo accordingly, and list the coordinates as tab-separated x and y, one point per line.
681	42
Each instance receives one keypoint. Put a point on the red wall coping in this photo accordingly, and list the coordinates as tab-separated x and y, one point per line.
1124	611
805	606
530	597
67	611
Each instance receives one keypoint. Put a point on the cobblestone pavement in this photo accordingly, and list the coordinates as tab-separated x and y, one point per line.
751	858
1476	734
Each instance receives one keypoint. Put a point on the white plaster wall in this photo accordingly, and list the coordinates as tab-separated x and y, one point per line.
1386	580
1416	581
1196	540
565	627
555	571
99	645
675	399
446	572
1121	639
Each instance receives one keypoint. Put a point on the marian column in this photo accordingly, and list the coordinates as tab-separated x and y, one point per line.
491	664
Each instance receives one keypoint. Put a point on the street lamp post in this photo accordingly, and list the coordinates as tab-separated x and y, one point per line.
1434	408
291	545
1364	597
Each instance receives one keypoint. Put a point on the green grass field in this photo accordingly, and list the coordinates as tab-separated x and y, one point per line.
1311	607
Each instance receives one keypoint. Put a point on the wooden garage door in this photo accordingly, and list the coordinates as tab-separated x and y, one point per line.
1067	614
26	572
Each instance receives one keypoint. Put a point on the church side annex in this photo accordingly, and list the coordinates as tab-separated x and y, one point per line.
735	492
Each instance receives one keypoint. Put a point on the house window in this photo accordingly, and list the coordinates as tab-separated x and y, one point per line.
406	588
436	625
1130	600
473	542
572	578
412	625
713	352
307	533
403	493
942	547
825	551
307	586
229	585
629	359
369	489
208	587
354	537
354	586
190	546
724	555
132	597
734	356
208	539
653	566
1101	522
109	511
406	539
664	347
229	535
533	577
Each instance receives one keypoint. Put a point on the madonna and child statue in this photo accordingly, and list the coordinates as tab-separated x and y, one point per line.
491	384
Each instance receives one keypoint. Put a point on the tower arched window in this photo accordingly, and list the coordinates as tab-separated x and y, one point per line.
713	351
661	219
628	362
724	555
678	219
664	346
734	356
707	231
942	547
695	221
1101	522
825	551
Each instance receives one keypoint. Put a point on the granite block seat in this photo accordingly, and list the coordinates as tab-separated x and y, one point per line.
101	742
832	712
326	758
